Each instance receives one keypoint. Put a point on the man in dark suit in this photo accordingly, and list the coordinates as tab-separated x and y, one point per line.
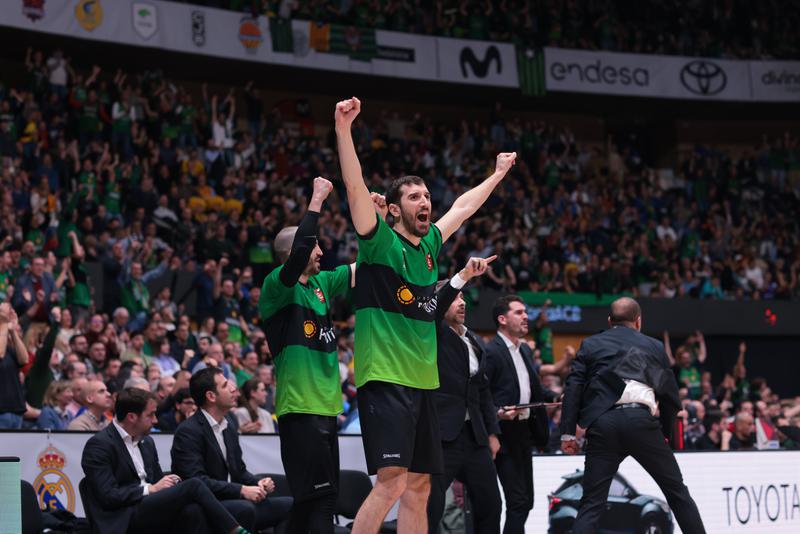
127	490
467	418
206	447
623	392
514	381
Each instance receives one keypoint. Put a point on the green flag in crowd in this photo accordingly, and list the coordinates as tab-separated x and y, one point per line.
280	30
530	68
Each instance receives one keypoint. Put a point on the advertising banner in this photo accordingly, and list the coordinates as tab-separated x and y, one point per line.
735	492
51	462
646	75
477	62
753	492
775	81
649	75
298	43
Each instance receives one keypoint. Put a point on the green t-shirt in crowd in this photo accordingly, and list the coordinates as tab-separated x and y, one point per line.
228	311
544	342
300	334
690	377
395	336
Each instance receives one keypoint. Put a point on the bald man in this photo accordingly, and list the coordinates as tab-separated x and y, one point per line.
97	400
622	391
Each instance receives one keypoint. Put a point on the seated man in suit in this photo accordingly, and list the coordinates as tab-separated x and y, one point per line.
514	381
467	417
129	493
206	447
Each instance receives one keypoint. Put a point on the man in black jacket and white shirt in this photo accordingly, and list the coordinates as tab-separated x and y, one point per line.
622	391
467	418
515	381
125	490
206	447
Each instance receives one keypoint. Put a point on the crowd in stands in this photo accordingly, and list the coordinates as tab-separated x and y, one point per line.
725	29
144	179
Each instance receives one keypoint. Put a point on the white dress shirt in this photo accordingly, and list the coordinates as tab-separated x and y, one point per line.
218	429
523	377
136	456
641	393
457	282
473	358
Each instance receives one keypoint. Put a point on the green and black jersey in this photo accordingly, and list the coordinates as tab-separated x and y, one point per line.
395	338
301	337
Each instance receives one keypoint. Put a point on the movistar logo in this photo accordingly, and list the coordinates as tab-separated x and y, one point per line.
480	67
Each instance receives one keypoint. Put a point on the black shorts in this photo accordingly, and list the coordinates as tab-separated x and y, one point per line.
310	454
400	427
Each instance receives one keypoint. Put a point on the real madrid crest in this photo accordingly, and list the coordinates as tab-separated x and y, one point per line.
52	486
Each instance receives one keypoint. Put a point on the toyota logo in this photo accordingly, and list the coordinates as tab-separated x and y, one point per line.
703	78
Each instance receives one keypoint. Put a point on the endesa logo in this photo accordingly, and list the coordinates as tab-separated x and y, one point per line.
596	72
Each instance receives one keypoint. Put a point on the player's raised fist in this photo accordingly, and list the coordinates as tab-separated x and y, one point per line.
505	160
347	111
322	187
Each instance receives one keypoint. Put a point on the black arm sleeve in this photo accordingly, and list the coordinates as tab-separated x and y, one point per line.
444	298
304	241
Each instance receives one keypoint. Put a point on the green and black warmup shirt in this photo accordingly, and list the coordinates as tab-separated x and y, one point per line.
395	338
300	334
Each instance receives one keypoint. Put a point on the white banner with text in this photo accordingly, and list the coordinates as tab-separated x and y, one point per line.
648	75
748	492
240	36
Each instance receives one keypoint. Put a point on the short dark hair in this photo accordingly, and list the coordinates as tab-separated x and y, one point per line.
502	305
181	395
132	400
202	382
393	193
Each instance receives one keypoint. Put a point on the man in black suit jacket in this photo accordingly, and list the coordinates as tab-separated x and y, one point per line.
467	417
126	490
206	447
514	380
620	380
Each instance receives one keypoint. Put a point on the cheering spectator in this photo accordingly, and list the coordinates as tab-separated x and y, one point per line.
33	294
13	356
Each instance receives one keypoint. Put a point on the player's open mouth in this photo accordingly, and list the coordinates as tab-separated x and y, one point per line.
422	217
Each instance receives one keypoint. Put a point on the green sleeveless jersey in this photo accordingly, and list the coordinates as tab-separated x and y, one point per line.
300	334
395	336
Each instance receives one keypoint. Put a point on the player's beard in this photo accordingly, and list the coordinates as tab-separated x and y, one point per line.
412	225
313	267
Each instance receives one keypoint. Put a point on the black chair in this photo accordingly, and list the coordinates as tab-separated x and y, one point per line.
354	487
31	513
